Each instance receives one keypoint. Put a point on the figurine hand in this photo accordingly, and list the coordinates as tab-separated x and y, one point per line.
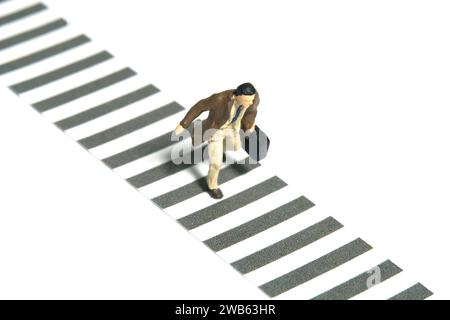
249	131
179	129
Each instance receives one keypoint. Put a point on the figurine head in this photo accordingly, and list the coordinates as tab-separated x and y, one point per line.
245	94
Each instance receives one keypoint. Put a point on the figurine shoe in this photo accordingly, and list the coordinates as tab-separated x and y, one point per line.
216	193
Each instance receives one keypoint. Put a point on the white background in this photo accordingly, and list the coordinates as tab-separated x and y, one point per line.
355	99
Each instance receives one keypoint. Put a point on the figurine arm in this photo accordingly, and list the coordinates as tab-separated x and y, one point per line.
194	112
248	120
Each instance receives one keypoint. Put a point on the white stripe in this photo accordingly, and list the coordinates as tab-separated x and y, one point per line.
174	181
73	81
247	213
47	65
148	162
388	288
26	24
274	234
37	44
136	138
229	189
300	257
85	102
335	277
97	98
119	116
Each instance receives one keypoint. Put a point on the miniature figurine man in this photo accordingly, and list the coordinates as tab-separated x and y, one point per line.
229	112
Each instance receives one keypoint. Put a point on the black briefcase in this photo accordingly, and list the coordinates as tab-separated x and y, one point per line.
257	144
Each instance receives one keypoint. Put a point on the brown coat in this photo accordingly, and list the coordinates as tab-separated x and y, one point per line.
219	107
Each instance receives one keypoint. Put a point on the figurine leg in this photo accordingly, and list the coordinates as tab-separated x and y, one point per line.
232	140
236	140
215	152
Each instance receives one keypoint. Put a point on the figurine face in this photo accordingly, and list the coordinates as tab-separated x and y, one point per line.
244	100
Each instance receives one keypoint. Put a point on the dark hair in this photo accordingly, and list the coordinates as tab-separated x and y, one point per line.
246	89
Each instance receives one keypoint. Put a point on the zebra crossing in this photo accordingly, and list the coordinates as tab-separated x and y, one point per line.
268	231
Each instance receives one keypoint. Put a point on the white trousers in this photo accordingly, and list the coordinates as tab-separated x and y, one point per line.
221	141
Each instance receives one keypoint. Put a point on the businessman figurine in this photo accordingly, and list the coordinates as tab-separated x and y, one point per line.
229	112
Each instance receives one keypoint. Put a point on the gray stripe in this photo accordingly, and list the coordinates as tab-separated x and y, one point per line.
162	171
315	268
131	125
107	107
34	33
194	188
286	246
260	224
235	202
60	72
83	90
359	284
22	13
43	54
139	151
416	292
